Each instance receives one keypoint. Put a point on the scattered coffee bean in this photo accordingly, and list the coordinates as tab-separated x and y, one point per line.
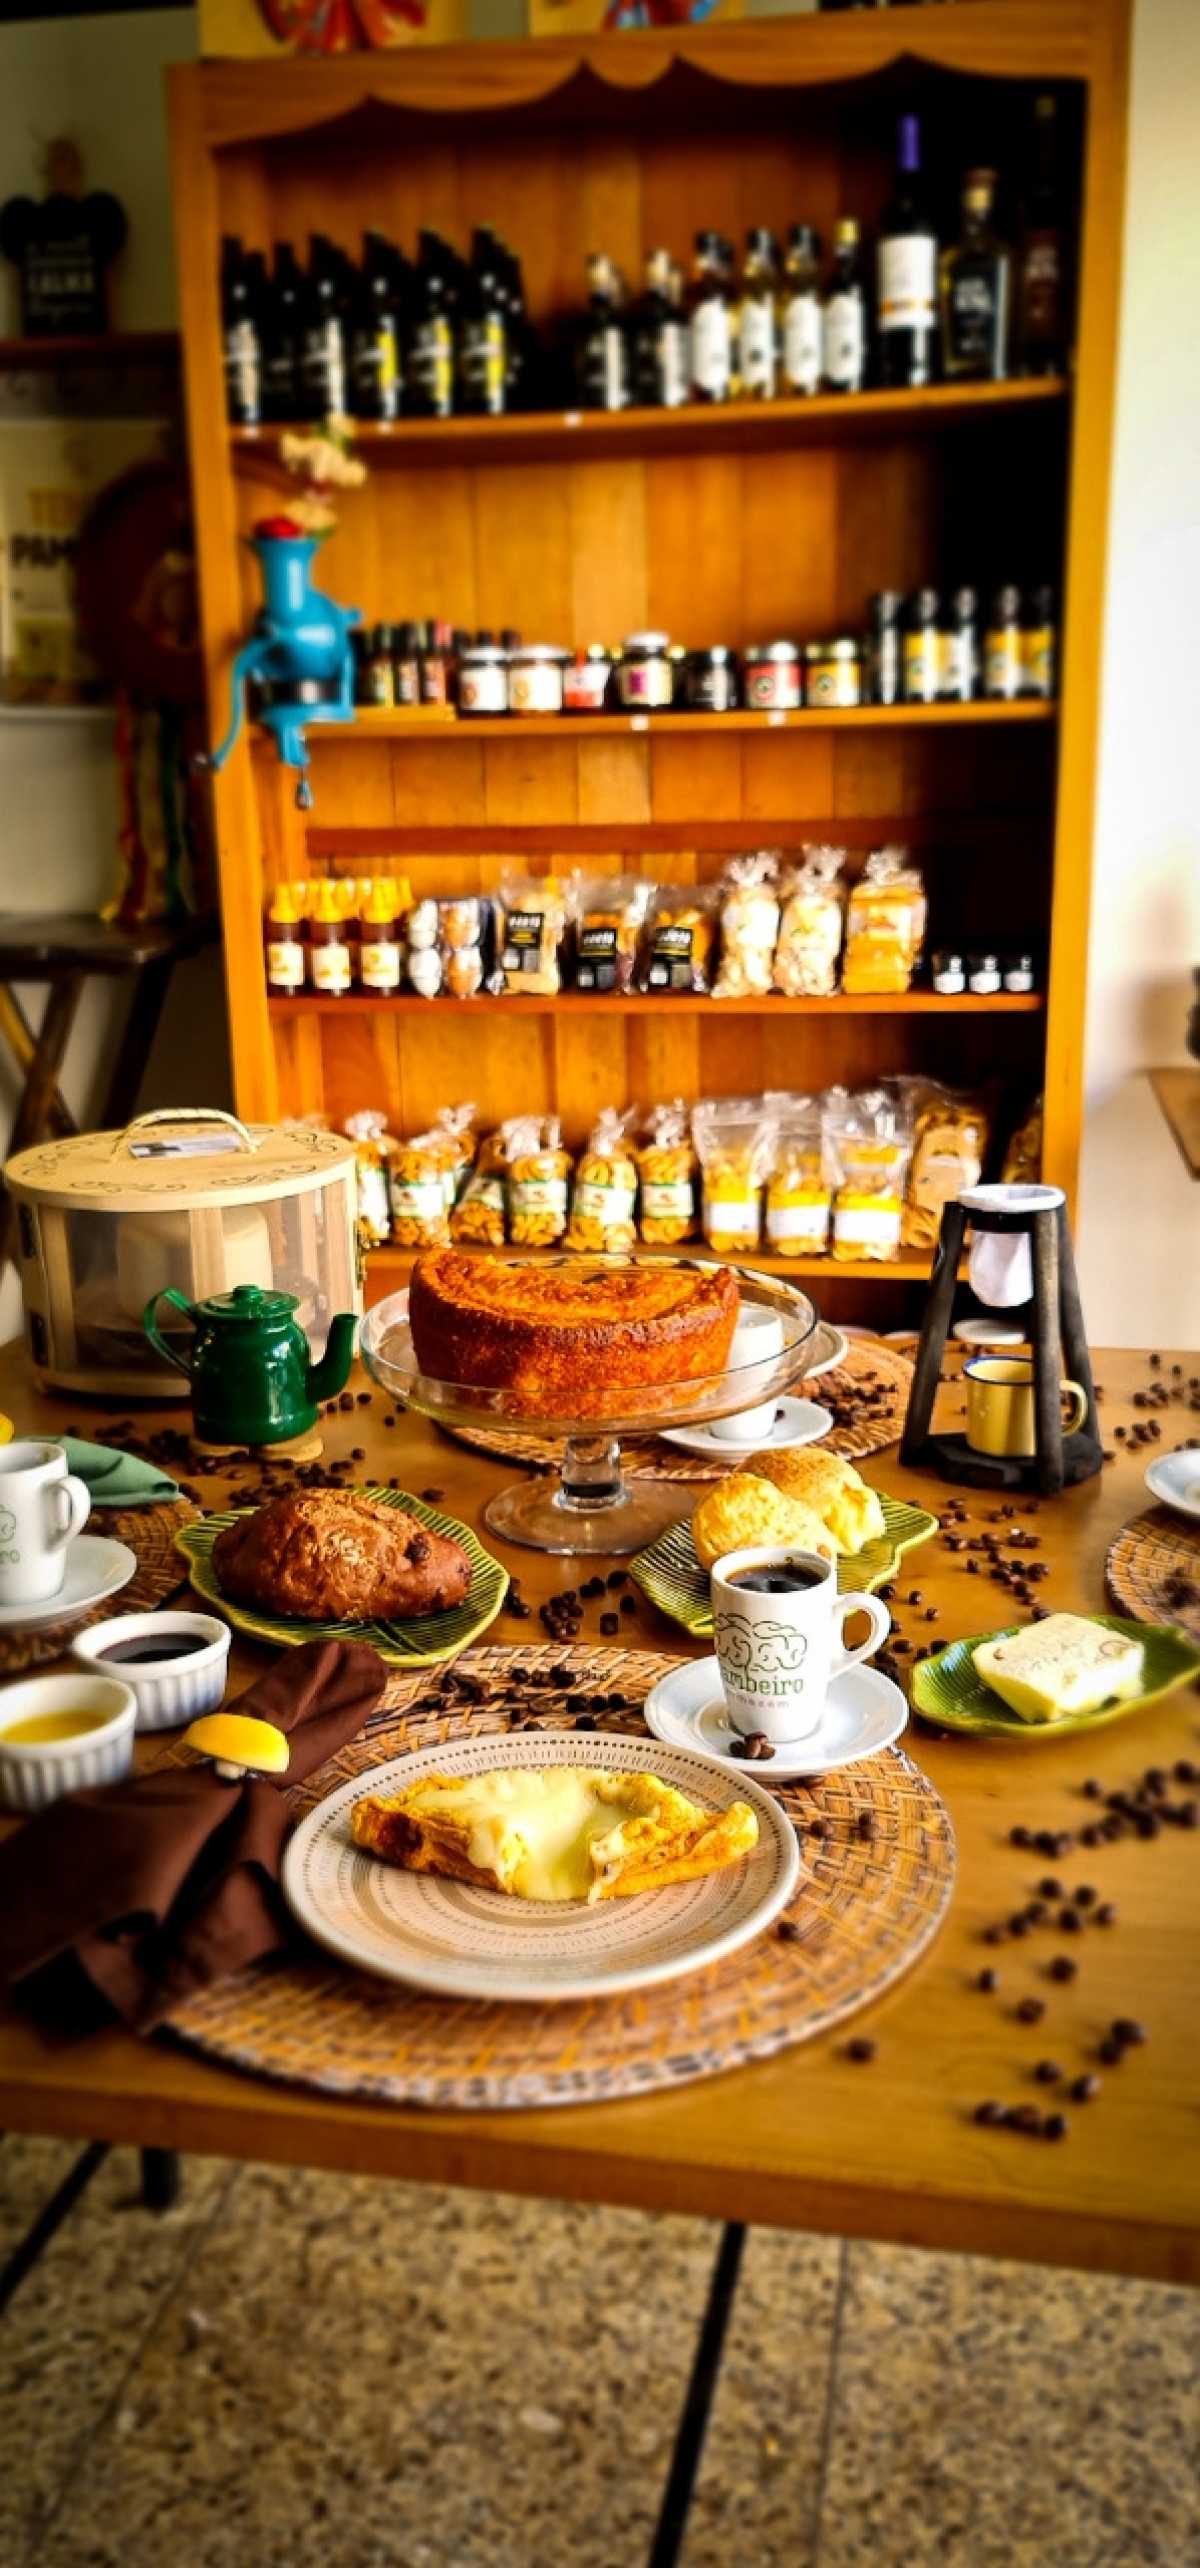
585	1721
818	1828
431	1497
629	1604
1129	2032
1024	2117
1069	1921
1112	2053
1036	1913
609	1625
1050	1888
788	1931
1062	1967
1085	1896
988	1981
1047	2072
1055	2126
993	1935
617	1578
1106	1914
1185	1771
861	2049
990	2114
347	1400
1031	2010
1019	1837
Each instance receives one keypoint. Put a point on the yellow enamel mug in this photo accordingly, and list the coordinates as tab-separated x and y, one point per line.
1000	1417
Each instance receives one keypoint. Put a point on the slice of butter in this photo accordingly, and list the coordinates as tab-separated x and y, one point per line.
1064	1665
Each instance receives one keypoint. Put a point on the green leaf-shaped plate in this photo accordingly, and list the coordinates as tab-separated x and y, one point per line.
669	1573
419	1643
947	1689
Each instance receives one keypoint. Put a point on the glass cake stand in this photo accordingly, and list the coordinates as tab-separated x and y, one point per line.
586	1505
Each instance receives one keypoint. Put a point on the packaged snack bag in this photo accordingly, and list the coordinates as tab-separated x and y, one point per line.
667	1168
531	925
885	925
680	936
478	1217
799	1188
869	1142
1023	1157
418	1182
950	1135
538	1173
462	934
605	1190
811	925
609	910
734	1137
371	1156
749	926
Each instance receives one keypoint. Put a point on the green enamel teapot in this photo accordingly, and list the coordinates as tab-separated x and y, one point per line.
253	1380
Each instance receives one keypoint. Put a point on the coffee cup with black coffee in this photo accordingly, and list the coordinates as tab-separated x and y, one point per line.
778	1621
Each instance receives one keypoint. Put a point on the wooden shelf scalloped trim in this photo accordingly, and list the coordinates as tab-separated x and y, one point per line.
581	1003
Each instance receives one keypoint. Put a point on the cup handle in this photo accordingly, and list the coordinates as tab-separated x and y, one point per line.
1077	1402
72	1507
881	1624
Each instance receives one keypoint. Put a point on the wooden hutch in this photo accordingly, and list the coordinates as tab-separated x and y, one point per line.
730	524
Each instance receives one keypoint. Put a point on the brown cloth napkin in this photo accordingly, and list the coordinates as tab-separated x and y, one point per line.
123	1899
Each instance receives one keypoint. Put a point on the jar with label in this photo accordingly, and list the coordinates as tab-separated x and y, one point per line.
329	956
1039	646
948	973
885	657
922	648
285	939
1003	649
482	680
380	673
1020	974
832	673
585	680
645	678
605	1189
538	1173
983	975
710	684
667	1168
535	678
802	312
380	953
773	677
959	645
735	1140
711	320
367	1132
799	1193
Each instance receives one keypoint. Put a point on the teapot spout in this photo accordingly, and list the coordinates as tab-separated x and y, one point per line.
323	1380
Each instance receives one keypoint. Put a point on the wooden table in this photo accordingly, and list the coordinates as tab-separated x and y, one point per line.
885	2151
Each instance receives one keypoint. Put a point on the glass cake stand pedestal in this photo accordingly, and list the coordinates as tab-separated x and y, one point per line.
586	1504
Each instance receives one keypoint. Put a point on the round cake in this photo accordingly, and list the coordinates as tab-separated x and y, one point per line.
569	1341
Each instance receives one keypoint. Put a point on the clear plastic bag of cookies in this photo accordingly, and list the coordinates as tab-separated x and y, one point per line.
539	1171
479	1217
885	925
463	923
950	1138
1023	1157
424	971
868	1140
734	1138
667	1166
811	926
454	1139
609	910
749	925
373	1146
418	1188
604	1193
799	1199
680	938
531	927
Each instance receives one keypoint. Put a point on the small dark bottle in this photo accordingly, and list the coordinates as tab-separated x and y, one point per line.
845	335
380	669
323	385
483	333
976	289
430	353
1039	645
407	664
908	272
240	338
602	357
1042	285
922	648
523	381
436	665
1003	651
376	379
885	656
282	326
658	339
959	645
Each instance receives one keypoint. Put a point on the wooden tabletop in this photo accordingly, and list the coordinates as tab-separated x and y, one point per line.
888	2149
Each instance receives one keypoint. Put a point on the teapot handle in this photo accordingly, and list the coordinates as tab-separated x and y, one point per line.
183	1115
150	1325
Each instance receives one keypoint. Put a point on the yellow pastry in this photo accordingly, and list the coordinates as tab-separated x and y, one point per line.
834	1490
233	1738
553	1832
746	1509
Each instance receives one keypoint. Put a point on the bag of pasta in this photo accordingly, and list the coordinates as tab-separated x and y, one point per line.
868	1140
679	939
373	1146
478	1218
749	926
609	911
538	1173
950	1135
418	1181
885	926
451	1132
734	1137
605	1190
1023	1157
811	925
667	1168
799	1189
531	927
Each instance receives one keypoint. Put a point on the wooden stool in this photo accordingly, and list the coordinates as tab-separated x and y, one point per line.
67	951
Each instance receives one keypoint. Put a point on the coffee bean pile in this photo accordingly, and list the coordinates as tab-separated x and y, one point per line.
859	1404
531	1698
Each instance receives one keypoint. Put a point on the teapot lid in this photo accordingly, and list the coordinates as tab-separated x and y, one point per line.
247	1302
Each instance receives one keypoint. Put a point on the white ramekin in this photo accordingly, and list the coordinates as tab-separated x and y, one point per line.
30	1775
171	1689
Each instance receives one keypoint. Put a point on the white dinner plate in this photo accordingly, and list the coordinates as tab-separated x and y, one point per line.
863	1712
459	1941
96	1568
1174	1479
797	1422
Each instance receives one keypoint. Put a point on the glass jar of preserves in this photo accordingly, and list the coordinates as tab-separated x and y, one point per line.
483	679
833	673
645	675
585	680
711	683
773	677
535	678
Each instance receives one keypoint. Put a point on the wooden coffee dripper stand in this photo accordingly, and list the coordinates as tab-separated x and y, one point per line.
1059	1461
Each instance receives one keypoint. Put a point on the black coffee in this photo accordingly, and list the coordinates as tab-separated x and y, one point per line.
779	1578
135	1652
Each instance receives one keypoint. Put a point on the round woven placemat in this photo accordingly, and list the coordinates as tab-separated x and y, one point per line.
150	1532
875	1886
1153	1570
867	1393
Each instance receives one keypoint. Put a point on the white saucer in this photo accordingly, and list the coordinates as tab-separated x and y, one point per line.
829	1349
864	1711
797	1422
993	1332
1174	1478
96	1568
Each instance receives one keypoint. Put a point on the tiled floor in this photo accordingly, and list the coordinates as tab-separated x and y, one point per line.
336	2373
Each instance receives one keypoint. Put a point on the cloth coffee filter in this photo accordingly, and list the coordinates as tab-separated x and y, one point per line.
999	1264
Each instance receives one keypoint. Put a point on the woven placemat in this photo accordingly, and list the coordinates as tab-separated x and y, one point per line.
867	1393
875	1887
1153	1570
150	1532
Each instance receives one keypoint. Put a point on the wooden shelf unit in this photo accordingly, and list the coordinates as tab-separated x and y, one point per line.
732	525
600	1010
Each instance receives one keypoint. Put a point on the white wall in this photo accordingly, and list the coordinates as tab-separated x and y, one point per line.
1139	1232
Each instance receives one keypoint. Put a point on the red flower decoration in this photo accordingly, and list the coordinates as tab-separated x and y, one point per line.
343	26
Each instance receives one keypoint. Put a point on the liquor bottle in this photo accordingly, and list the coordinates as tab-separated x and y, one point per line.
758	319
802	312
658	339
958	648
376	380
240	339
282	324
429	367
602	353
922	648
711	320
524	383
483	332
1003	652
322	339
844	335
1042	332
976	282
907	270
1039	645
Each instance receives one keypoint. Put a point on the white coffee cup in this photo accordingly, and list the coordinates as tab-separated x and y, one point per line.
777	1651
42	1506
757	1341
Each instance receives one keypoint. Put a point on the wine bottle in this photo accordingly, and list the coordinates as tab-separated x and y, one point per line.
483	333
322	340
602	361
758	319
282	323
908	261
240	338
658	339
1042	332
802	312
430	353
976	277
376	382
711	320
844	336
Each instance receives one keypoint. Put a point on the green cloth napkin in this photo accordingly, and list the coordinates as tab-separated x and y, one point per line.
117	1479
